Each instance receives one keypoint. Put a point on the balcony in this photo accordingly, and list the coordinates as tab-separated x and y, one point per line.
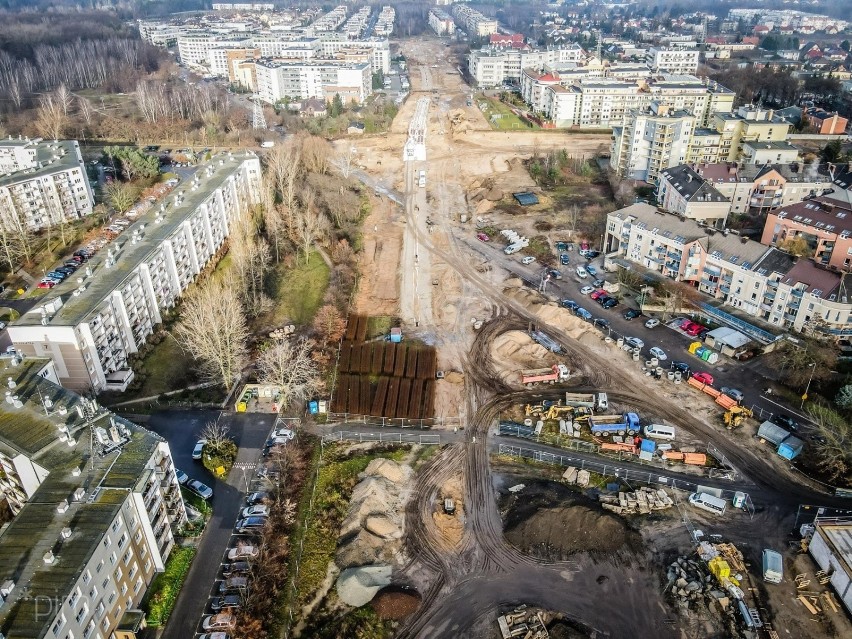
797	293
772	284
766	307
769	295
709	284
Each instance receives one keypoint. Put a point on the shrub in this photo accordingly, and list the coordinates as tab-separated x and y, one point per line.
164	590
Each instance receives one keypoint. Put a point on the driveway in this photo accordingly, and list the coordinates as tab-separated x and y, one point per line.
181	429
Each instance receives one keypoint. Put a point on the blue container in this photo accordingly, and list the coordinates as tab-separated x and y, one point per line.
648	445
313	407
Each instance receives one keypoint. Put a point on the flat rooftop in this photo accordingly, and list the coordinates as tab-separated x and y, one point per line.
128	256
51	157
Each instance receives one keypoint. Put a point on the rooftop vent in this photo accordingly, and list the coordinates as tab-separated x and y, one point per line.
11	383
66	533
76	472
63	506
48	557
7	587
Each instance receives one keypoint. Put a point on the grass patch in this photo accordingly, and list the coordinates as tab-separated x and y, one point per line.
8	314
196	502
220	459
337	477
379	325
540	249
298	291
501	117
161	596
361	622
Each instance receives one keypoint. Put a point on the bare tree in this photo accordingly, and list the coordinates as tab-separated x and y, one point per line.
345	160
251	258
86	109
307	224
51	118
63	98
216	433
120	195
289	366
834	449
213	330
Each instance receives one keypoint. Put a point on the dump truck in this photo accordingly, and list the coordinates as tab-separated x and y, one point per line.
557	372
606	425
588	400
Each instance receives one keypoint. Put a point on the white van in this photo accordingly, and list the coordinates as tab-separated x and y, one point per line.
582	273
708	502
659	431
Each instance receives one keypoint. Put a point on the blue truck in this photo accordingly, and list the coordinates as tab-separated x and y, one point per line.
606	425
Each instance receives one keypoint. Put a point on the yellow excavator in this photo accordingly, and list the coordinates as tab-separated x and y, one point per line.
735	415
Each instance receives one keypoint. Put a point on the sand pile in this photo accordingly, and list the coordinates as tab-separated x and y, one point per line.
515	349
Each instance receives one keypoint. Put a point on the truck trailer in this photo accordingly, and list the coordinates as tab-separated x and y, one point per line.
556	373
588	400
606	425
545	340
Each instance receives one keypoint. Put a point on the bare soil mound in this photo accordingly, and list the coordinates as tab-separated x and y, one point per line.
548	521
396	602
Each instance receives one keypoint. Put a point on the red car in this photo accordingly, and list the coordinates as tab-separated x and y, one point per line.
46	284
584	246
598	293
694	330
704	378
483	237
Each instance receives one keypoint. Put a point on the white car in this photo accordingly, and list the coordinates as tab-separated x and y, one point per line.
243	553
199	448
529	259
581	273
259	510
587	290
634	342
182	477
659	353
652	323
284	432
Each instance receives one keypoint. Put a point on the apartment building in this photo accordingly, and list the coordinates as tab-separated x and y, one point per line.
194	47
42	183
825	224
747	124
473	22
224	62
384	25
79	554
681	190
672	60
651	140
772	152
441	22
278	79
90	329
755	279
494	65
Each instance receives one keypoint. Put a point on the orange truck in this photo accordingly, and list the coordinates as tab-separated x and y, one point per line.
556	373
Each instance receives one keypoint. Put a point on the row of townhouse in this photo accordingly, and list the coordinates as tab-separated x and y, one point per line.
42	184
441	22
384	24
473	22
97	523
750	136
711	192
590	101
280	79
330	21
91	328
756	279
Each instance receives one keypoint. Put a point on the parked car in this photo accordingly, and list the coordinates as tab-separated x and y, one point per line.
632	313
257	498
555	274
704	378
634	342
182	477
598	294
609	302
529	259
202	490
598	283
703	333
482	237
563	246
2	326
659	353
215	635
236	568
250	524
199	448
652	323
586	290
284	432
582	273
683	367
46	284
786	421
227	601
591	270
600	322
243	552
258	509
733	393
219	621
592	254
582	312
563	259
571	305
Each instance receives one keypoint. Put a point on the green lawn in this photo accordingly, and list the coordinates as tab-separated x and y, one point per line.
507	121
298	291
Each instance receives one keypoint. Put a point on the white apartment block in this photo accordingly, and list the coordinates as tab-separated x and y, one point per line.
194	48
79	555
42	183
277	80
384	25
441	22
492	66
330	21
672	60
732	271
90	329
357	24
473	22
651	140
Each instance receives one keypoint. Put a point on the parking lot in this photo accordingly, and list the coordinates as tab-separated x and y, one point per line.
182	429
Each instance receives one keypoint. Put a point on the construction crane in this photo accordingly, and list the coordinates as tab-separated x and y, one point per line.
735	415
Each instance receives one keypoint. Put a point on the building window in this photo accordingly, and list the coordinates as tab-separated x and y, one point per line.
72	600
87	576
57	626
81	614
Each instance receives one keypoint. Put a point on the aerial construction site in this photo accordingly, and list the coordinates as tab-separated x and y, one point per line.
580	488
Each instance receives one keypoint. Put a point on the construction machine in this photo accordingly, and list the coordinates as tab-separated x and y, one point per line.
735	415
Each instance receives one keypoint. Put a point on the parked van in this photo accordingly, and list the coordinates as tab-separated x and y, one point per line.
708	502
773	567
582	273
659	431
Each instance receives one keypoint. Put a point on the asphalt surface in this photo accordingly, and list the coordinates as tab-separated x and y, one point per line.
181	429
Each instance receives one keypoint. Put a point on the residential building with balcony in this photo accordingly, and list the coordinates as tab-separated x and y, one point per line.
42	184
825	225
748	124
301	80
681	190
89	326
760	281
774	152
79	554
672	60
473	22
441	22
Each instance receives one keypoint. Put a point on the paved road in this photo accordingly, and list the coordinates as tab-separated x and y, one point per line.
181	429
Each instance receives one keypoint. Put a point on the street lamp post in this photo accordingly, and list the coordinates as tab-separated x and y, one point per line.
808	387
